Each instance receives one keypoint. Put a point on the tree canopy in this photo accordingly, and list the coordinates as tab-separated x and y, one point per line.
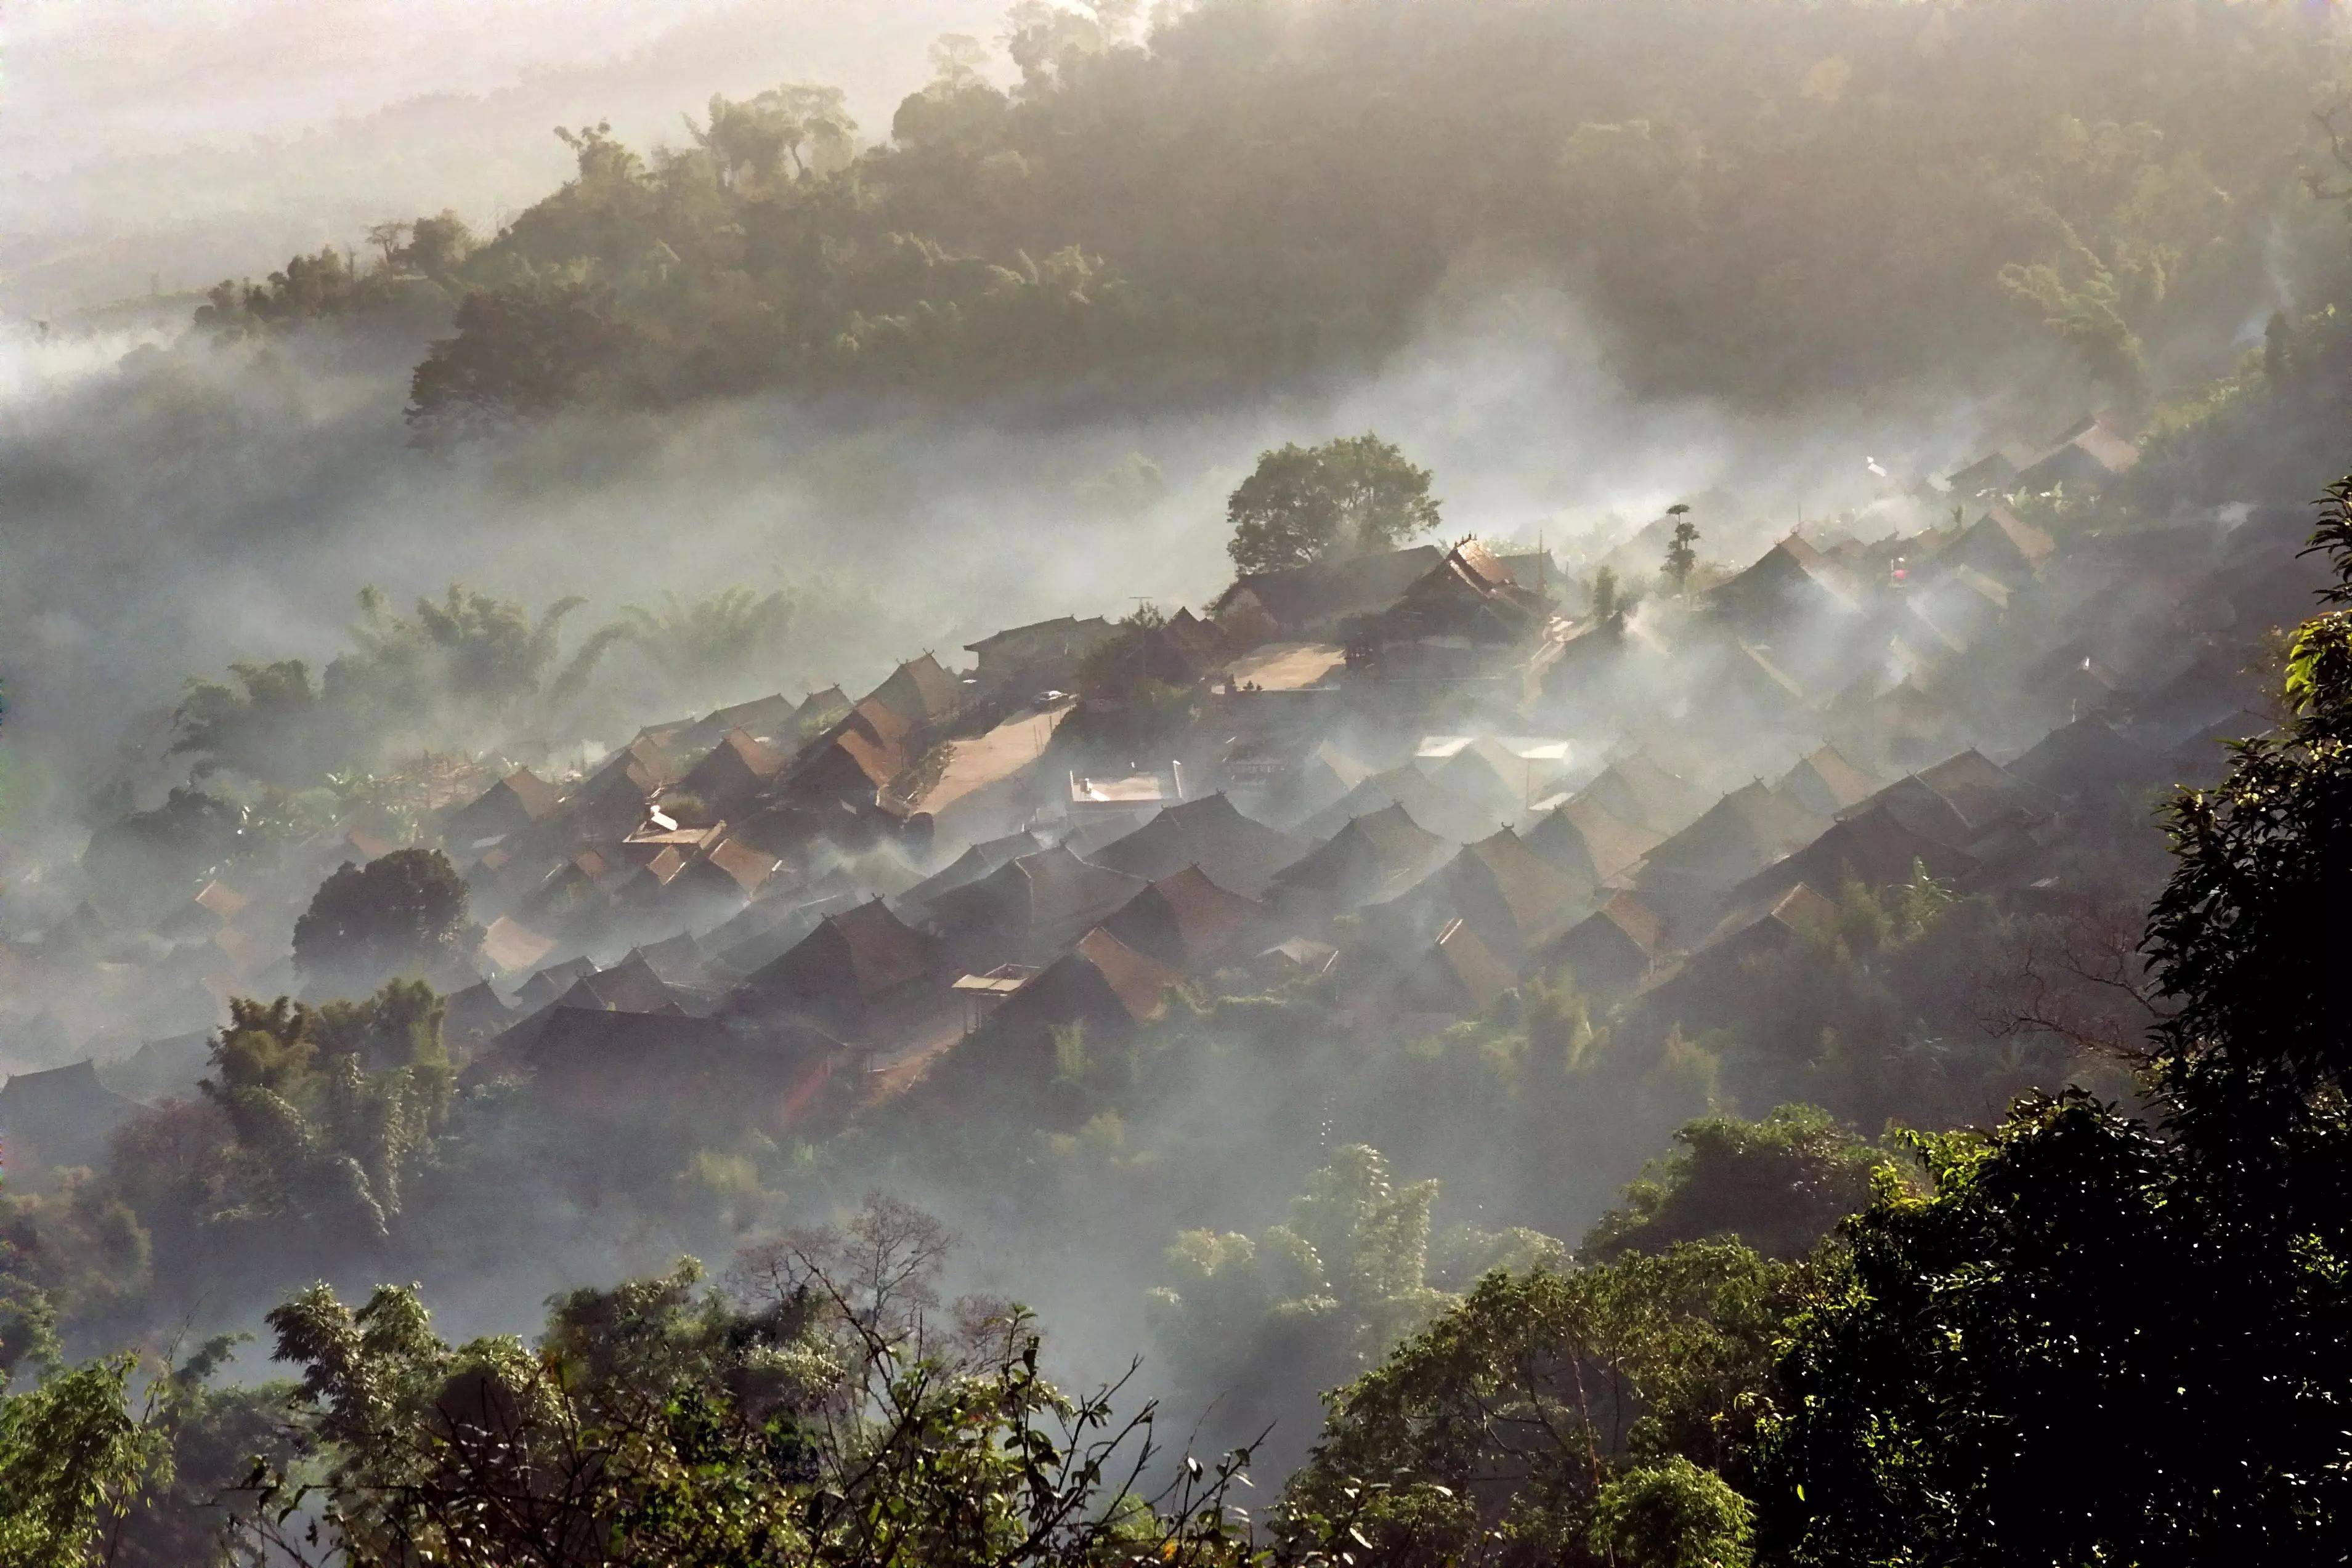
1306	504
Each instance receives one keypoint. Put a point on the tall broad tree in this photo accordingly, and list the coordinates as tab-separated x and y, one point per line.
402	914
1306	504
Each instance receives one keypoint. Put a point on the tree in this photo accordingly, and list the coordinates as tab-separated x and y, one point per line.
1303	504
713	640
818	1412
402	914
955	59
2171	1298
1548	1408
329	1111
1682	552
1779	1184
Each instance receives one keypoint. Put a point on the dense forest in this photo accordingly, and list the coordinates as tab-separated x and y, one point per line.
1710	1040
1756	202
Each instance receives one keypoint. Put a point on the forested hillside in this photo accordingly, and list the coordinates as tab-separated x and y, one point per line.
1756	202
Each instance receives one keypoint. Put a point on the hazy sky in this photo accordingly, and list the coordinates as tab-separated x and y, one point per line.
193	138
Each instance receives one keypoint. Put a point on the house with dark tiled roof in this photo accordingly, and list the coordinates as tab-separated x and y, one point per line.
1872	846
1994	474
975	863
542	987
1029	908
853	971
1590	844
1517	902
1457	815
1044	653
1793	586
511	804
1267	606
1825	782
1471	594
1458	974
2002	545
855	761
1234	850
1746	830
1375	856
920	693
2091	452
660	1070
1709	987
60	1116
2089	758
1187	922
1100	990
733	774
1637	790
473	1014
1610	952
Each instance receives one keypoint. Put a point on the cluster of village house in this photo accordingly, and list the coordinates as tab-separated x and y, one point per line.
1413	778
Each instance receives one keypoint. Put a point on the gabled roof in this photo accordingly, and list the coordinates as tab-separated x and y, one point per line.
630	986
63	1115
735	769
515	800
1101	981
1513	898
2086	757
679	960
1636	790
1380	853
1041	901
1059	635
2003	545
1048	633
749	868
1461	972
970	866
475	1013
587	1039
1470	584
1825	783
1791	580
512	947
918	692
1749	931
771	718
1984	792
1609	951
1459	816
1490	776
1996	470
1742	833
2092	444
1875	846
1235	852
1302	596
1590	843
1188	921
644	764
552	982
856	956
1140	983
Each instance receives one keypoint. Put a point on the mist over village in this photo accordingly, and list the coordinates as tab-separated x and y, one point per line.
1238	783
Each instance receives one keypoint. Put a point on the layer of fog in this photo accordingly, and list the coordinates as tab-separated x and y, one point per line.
172	509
